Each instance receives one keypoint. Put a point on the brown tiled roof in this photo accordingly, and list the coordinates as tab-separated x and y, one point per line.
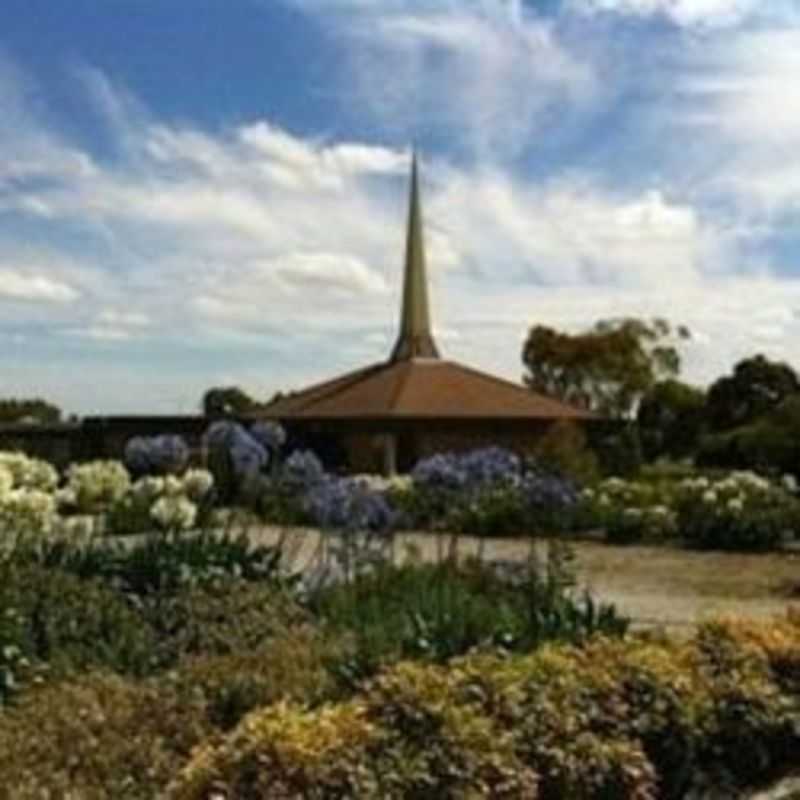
420	388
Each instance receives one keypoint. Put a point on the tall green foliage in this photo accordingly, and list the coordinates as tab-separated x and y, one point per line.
606	369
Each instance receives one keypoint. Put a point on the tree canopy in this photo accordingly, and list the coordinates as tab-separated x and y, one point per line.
606	369
756	387
34	410
222	401
671	417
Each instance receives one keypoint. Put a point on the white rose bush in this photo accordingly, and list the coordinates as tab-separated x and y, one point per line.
727	511
740	511
94	497
27	503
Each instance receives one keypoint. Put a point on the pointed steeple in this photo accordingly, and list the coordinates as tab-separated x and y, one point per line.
415	339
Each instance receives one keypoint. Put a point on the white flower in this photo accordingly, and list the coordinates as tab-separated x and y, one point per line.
98	484
148	487
29	473
789	483
80	527
6	481
174	512
735	504
27	511
709	496
66	497
173	487
197	483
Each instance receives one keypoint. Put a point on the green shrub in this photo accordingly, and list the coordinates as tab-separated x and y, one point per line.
291	665
565	449
130	515
439	611
498	510
741	511
219	617
71	625
162	563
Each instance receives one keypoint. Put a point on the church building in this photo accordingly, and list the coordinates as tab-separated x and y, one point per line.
386	416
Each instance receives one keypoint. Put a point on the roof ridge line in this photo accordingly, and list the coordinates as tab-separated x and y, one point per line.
401	383
520	387
326	389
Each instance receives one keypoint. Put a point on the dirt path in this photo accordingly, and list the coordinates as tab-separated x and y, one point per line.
653	585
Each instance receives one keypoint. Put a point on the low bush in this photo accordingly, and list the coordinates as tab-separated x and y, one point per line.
97	737
220	617
163	563
55	624
741	511
101	736
610	720
418	746
291	665
720	511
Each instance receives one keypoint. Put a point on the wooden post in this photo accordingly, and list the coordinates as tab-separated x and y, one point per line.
389	455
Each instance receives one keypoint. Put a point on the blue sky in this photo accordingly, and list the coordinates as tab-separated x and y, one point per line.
199	192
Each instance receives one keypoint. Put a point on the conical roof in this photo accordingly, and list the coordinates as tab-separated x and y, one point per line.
420	389
415	383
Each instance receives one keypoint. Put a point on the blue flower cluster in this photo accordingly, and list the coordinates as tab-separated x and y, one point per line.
440	471
156	455
302	470
476	468
347	504
270	435
544	492
247	455
491	465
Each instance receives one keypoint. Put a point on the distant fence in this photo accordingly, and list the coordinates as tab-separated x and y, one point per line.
95	437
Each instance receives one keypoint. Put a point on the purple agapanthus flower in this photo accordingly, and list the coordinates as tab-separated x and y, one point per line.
156	455
248	456
471	470
269	434
302	470
549	492
491	465
440	471
343	503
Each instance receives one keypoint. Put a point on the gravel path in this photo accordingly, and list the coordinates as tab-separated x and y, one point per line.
653	585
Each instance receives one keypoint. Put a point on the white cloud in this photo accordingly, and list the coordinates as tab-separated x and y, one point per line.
101	333
682	12
16	285
486	74
123	319
739	95
255	245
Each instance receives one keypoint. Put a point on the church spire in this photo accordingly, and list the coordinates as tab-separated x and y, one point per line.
416	338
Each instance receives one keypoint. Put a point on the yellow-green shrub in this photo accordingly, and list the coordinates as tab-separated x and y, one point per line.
610	720
102	736
409	736
287	752
293	665
96	738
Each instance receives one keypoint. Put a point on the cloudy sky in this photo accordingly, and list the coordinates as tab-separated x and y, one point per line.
204	192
